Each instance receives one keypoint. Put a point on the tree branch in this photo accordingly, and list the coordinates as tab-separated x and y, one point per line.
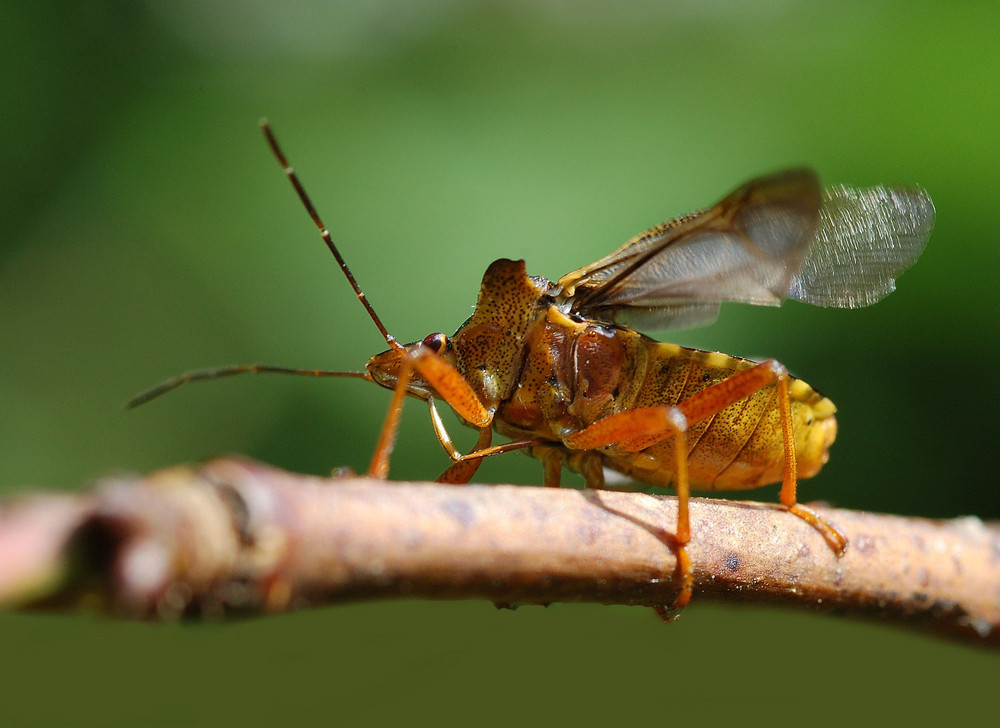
234	536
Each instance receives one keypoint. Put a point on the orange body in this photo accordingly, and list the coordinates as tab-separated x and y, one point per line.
544	374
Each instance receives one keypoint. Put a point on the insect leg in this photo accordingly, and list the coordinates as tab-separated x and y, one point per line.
448	383
648	425
587	463
719	396
465	466
716	398
552	463
584	462
462	469
743	384
481	451
379	467
789	482
442	433
634	430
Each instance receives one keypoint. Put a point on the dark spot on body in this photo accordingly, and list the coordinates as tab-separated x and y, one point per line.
732	562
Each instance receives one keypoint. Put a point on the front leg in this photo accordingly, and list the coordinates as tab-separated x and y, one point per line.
450	385
462	468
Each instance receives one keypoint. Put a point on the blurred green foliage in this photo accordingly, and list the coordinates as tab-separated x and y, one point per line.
145	230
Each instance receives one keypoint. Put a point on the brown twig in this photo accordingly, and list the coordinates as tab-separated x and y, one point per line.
235	536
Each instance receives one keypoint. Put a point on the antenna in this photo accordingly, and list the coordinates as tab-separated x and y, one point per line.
294	179
227	371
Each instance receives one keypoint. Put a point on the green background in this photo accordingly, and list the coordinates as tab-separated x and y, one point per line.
145	230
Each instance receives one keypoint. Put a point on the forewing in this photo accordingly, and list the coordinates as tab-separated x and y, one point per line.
747	248
866	238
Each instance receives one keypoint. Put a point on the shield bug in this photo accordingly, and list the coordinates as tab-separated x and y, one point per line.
561	369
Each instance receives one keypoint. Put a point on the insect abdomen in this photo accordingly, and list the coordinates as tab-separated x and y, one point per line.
739	447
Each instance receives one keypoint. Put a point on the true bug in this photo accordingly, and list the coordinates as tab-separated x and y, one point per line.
555	366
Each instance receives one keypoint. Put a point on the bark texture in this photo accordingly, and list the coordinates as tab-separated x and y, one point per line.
238	537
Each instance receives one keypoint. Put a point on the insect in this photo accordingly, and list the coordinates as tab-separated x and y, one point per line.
558	368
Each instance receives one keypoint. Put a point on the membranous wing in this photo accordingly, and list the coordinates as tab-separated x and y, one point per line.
775	237
866	239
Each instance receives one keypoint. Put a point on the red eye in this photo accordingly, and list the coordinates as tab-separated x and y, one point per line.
435	342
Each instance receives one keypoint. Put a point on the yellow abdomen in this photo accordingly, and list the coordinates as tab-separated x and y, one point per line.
741	446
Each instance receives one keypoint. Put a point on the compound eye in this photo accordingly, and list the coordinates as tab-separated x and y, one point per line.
436	342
